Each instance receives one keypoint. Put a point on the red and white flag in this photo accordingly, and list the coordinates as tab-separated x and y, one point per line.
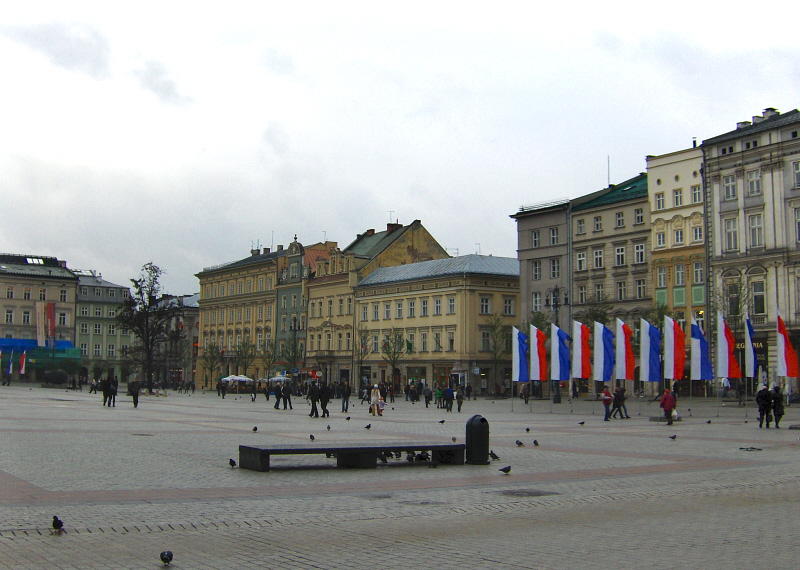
787	364
22	360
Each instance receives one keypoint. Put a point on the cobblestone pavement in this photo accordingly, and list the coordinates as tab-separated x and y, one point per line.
130	483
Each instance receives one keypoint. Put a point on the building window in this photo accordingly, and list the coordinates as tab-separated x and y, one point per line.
10	293
555	268
754	183
98	292
375	312
697	194
622	290
598	223
731	234
580	226
508	307
729	187
387	311
581	294
599	292
756	225
374	343
680	275
26	317
437	306
98	311
98	328
398	309
536	301
580	261
486	342
112	330
451	305
677	197
797	223
84	328
43	294
620	219
84	311
341	306
424	342
347	340
349	305
697	233
84	349
535	238
699	273
638	253
423	308
97	350
536	265
62	295
659	201
9	317
638	216
796	168
679	236
485	306
553	236
661	239
451	341
412	309
26	294
661	277
641	289
598	258
619	255
759	298
111	350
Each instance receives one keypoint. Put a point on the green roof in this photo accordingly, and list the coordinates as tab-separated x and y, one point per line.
632	189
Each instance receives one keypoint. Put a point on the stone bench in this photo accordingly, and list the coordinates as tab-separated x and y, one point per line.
351	454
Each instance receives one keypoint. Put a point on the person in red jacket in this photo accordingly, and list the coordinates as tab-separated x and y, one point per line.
668	404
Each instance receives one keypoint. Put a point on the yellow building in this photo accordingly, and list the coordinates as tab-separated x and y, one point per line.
445	312
237	303
332	346
678	261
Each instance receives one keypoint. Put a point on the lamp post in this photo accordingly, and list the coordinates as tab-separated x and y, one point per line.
553	300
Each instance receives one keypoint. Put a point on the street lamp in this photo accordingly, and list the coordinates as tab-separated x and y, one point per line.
553	300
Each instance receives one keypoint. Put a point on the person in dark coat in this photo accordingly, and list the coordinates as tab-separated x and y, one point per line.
460	398
133	387
278	391
345	396
764	403
112	392
105	388
777	405
286	395
324	398
313	397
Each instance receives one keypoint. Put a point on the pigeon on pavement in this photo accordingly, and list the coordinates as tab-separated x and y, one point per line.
708	421
441	421
58	525
329	427
166	557
232	463
673	436
493	455
311	437
519	443
536	443
368	426
581	423
454	439
506	469
527	429
347	418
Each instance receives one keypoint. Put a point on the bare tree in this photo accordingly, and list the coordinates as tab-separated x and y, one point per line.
212	359
392	350
245	355
148	316
499	338
361	349
268	355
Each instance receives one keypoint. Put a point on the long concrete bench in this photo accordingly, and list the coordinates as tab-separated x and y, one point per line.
351	454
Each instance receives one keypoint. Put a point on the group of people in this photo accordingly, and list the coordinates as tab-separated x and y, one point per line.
770	405
614	404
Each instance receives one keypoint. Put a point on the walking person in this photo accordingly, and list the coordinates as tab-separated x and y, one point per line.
324	398
428	395
764	403
607	399
278	389
286	395
313	397
133	388
345	396
374	398
460	398
449	396
668	405
777	405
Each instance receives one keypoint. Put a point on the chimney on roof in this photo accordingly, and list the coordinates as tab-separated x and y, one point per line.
280	247
770	112
266	250
369	232
757	119
390	227
694	142
255	251
742	124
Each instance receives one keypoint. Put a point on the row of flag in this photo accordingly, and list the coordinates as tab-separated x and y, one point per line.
662	353
22	359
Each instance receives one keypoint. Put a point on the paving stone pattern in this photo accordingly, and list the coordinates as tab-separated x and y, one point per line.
130	483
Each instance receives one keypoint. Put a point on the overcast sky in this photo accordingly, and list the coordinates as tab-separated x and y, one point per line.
182	132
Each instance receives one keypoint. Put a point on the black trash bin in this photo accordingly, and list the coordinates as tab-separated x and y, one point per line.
477	446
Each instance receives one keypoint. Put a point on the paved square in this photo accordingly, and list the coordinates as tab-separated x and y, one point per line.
129	483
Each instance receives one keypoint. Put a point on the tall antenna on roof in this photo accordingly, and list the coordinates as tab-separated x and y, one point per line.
391	213
608	168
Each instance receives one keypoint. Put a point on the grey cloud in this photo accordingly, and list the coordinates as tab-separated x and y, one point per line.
154	78
75	47
279	63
